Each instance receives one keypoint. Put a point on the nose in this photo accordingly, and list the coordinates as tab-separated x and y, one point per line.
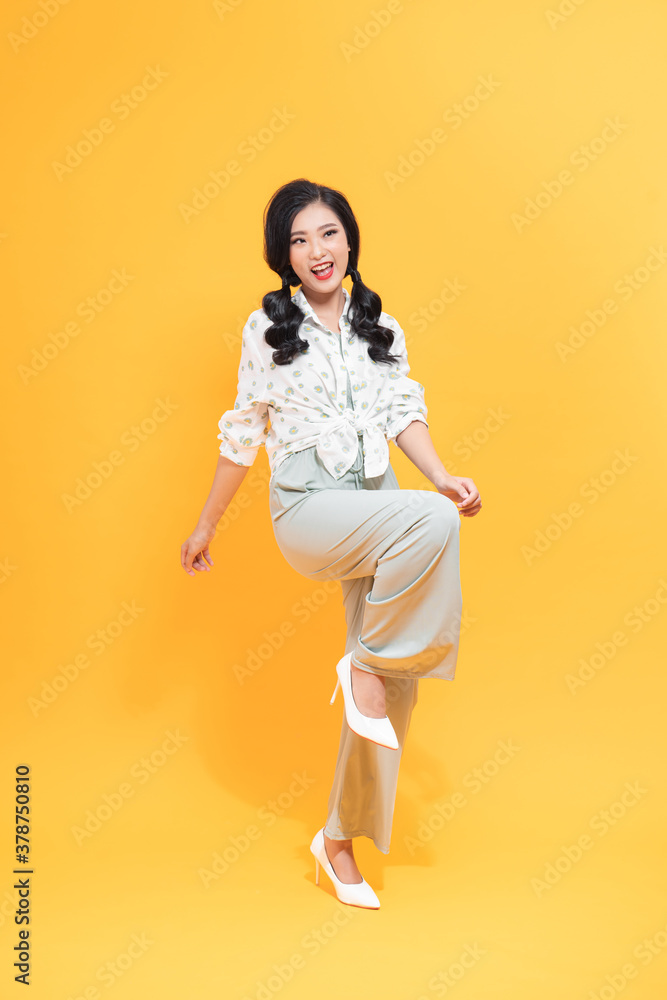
317	251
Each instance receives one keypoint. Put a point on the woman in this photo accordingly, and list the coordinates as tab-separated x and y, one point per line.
323	383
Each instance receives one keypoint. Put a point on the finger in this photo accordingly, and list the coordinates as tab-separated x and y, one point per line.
186	561
470	487
473	492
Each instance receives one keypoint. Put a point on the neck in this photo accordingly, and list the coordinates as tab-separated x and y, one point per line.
331	303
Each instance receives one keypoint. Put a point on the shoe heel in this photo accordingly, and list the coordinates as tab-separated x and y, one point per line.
333	696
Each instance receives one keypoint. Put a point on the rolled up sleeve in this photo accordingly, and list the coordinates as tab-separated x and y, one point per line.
407	401
244	428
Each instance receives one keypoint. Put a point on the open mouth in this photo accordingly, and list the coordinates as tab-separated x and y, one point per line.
323	271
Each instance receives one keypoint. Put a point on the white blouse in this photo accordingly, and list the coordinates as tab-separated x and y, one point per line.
294	406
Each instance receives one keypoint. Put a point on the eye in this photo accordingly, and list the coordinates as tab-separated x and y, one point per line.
330	231
295	240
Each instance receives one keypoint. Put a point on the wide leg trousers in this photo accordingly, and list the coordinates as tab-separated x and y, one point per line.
396	555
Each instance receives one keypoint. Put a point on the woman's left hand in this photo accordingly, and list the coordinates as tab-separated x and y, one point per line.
462	491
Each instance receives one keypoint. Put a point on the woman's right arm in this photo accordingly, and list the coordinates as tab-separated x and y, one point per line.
243	429
228	477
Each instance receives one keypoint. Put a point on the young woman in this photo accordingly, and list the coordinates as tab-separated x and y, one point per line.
323	384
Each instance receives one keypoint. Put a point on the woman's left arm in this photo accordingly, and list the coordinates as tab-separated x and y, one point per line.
415	441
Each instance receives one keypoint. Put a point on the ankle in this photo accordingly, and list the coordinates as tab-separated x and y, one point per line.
360	672
368	691
340	845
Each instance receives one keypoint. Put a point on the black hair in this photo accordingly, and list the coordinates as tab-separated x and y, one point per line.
285	315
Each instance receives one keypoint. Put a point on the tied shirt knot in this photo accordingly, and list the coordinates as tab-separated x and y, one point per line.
340	435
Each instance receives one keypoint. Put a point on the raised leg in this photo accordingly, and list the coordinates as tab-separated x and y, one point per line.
407	543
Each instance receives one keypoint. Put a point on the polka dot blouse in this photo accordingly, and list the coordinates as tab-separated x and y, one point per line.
290	407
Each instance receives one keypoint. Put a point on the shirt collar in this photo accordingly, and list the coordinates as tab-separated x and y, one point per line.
304	305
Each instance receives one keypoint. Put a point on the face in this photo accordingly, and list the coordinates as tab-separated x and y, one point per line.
317	238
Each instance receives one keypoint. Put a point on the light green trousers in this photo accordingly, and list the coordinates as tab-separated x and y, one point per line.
396	555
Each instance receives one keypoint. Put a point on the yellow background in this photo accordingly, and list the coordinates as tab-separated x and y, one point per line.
362	95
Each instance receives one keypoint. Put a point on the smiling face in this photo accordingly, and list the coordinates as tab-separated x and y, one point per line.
318	238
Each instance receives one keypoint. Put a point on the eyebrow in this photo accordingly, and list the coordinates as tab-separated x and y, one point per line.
327	225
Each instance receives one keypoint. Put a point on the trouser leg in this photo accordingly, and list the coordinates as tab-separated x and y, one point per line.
407	541
363	792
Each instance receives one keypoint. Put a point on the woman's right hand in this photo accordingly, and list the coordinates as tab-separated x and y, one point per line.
194	552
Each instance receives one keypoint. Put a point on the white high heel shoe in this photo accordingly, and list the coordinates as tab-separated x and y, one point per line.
378	731
354	893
